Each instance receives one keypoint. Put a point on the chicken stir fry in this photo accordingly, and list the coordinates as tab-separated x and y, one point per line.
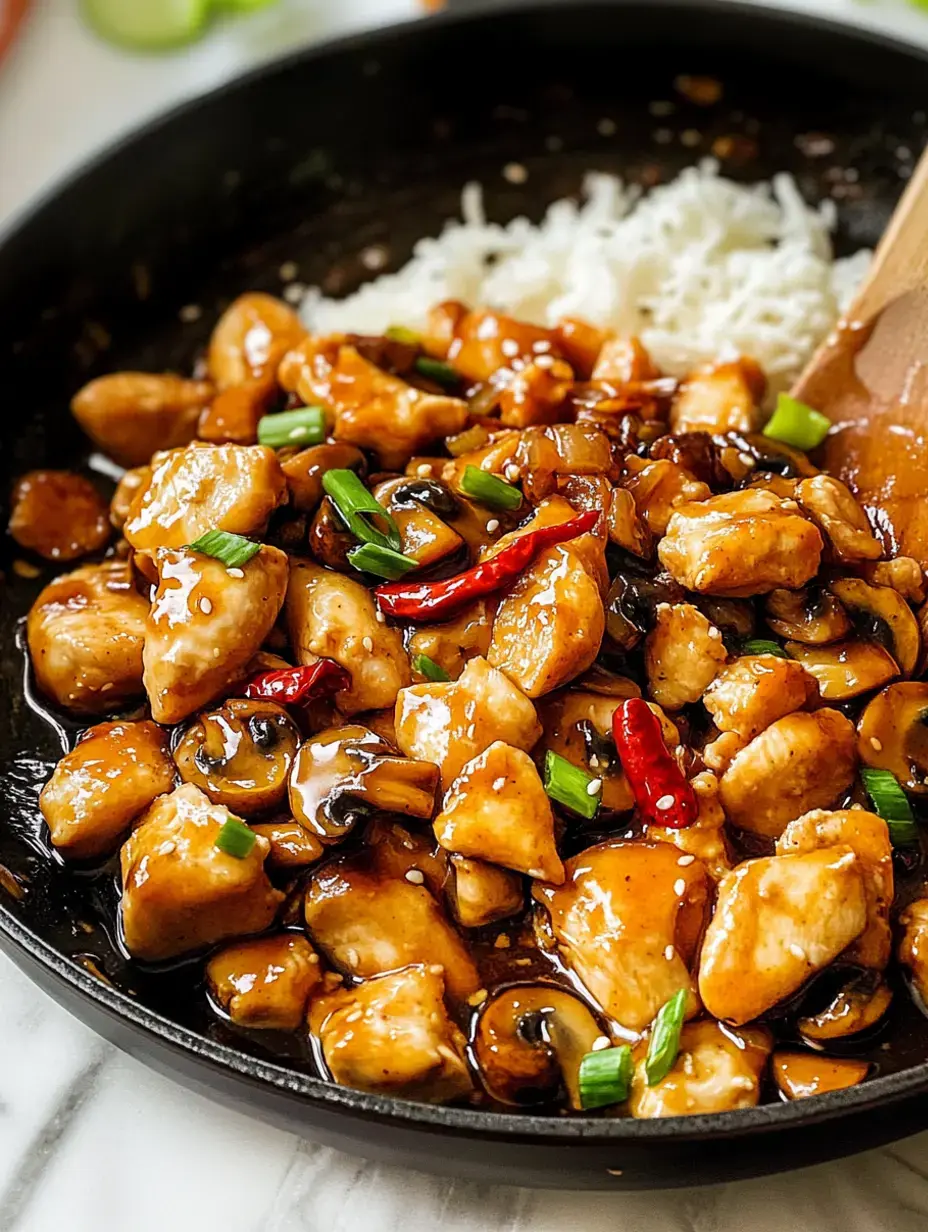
507	723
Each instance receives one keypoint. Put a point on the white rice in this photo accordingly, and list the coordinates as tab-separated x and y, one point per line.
698	268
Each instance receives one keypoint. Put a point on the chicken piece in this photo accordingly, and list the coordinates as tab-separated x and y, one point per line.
332	616
554	511
755	690
573	449
250	339
719	753
129	415
304	471
455	642
740	544
868	836
233	416
292	845
497	810
720	397
85	633
126	491
683	654
659	487
366	924
179	890
495	456
549	627
480	893
392	1035
59	515
101	786
578	727
205	624
627	921
705	838
777	921
799	763
902	573
582	344
265	983
371	408
397	852
626	527
801	1074
535	392
480	343
716	1070
624	361
449	724
835	511
913	947
205	487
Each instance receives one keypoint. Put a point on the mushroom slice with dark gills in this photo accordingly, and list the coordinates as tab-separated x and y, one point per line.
265	983
778	921
627	921
425	536
812	616
893	734
530	1041
845	669
180	891
578	727
392	1035
346	772
240	755
717	1069
480	893
884	615
205	624
801	1074
856	1007
367	923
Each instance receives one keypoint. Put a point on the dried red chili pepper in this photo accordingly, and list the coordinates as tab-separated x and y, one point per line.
662	794
299	684
436	600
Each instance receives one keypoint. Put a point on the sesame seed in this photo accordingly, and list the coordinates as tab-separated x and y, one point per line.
236	572
381	619
416	876
515	173
166	848
354	1016
594	787
745	459
669	953
374	258
436	969
797	951
216	652
601	1042
424	469
509	347
205	606
511	472
105	688
679	887
190	313
665	802
594	762
685	861
492	526
876	744
367	643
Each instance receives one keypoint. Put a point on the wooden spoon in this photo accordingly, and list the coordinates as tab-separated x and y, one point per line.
871	379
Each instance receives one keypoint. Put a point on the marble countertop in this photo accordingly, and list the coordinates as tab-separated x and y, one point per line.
90	1139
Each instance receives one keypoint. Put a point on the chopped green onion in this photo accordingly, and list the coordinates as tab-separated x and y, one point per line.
232	550
360	510
235	838
664	1044
571	786
438	371
399	333
489	489
303	426
147	24
606	1077
429	669
760	646
794	423
892	804
381	561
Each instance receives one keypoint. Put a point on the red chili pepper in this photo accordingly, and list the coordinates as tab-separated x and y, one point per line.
299	684
663	795
436	600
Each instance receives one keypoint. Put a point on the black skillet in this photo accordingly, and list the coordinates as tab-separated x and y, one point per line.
365	144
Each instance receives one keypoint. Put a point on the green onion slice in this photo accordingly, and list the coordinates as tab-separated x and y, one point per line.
571	786
794	423
361	511
760	646
147	25
438	371
892	804
664	1044
489	489
235	838
429	668
303	426
606	1077
399	333
232	550
381	561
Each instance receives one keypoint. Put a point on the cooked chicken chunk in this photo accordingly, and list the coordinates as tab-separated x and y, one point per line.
205	487
497	810
266	982
535	392
179	890
718	754
719	398
740	543
778	920
660	487
755	690
902	573
367	924
683	654
101	786
717	1069
454	642
85	633
129	415
206	622
481	893
578	727
59	515
334	617
250	339
913	948
801	762
623	361
868	836
480	343
840	518
705	838
392	1035
627	921
801	1074
449	724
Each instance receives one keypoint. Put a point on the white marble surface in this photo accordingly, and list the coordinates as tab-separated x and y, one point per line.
90	1140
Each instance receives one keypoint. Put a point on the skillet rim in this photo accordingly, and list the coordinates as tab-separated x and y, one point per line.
881	1092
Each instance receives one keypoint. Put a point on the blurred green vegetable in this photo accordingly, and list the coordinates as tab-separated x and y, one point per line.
156	25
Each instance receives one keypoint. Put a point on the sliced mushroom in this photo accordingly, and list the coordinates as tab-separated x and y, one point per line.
59	515
455	642
632	603
480	893
856	1007
240	755
291	845
529	1042
329	539
131	414
812	616
578	727
425	537
303	471
885	614
845	669
801	1074
717	1069
893	734
265	983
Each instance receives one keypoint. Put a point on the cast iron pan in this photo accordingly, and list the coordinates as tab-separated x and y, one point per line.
365	144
